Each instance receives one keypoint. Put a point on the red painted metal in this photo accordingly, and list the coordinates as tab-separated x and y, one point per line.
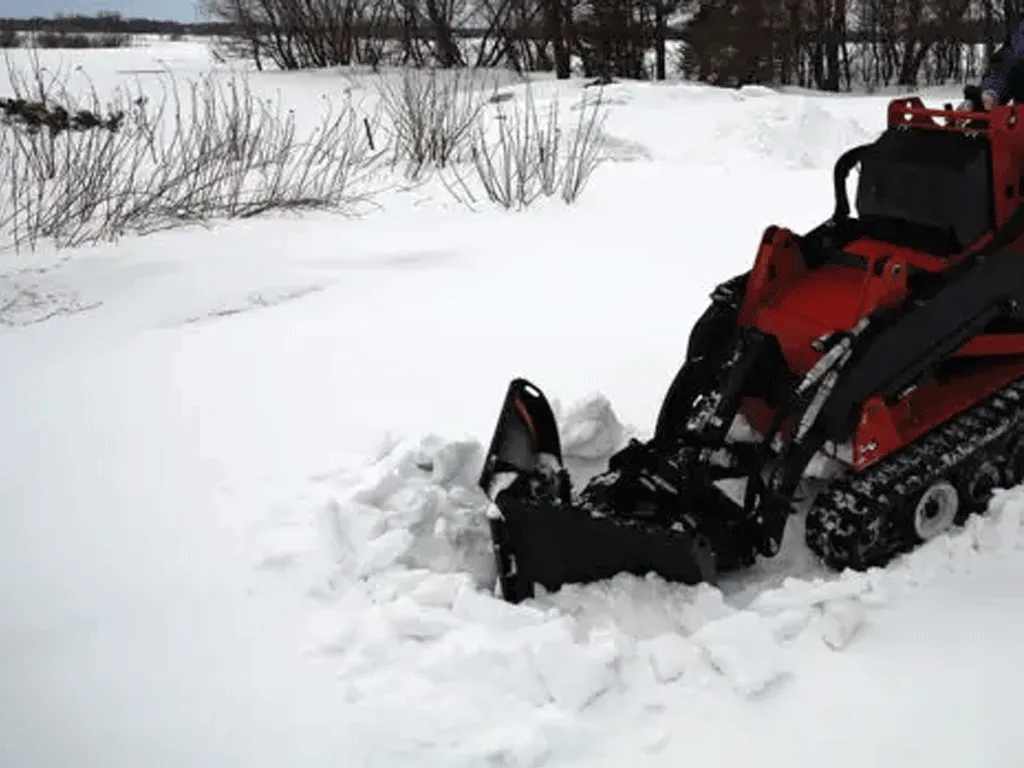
798	305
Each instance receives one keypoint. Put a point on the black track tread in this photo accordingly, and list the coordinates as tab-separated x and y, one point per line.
862	521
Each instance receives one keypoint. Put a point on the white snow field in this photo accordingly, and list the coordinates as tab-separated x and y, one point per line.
239	525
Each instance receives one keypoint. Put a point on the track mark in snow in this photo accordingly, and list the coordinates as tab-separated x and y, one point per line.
400	261
256	300
622	150
29	304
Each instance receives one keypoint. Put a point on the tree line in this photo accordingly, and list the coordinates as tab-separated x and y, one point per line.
838	44
832	45
823	44
111	23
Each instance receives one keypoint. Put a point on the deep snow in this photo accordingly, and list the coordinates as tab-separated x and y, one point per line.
239	518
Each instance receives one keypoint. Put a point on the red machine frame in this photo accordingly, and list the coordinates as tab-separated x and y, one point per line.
782	297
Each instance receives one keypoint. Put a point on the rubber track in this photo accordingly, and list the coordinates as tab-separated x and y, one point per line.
865	520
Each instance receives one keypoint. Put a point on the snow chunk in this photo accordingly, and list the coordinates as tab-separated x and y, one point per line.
382	552
440	590
799	594
492	612
407	619
514	746
788	624
1003	531
670	655
574	675
841	622
591	430
492	661
741	647
640	607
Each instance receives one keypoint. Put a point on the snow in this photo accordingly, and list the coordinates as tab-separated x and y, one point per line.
240	524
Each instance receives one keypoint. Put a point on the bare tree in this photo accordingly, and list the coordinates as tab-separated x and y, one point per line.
297	34
840	44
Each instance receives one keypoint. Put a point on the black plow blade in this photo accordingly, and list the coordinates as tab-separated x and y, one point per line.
542	536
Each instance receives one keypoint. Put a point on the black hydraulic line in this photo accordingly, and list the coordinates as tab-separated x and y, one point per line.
843	166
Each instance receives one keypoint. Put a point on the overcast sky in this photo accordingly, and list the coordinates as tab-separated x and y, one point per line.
176	10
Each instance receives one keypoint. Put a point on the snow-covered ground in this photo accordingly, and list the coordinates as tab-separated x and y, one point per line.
238	516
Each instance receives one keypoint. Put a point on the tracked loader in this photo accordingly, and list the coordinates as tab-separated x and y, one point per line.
889	343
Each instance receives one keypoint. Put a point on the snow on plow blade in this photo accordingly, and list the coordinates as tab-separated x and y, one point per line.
541	536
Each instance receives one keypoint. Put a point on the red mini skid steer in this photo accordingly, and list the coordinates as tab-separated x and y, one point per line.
891	342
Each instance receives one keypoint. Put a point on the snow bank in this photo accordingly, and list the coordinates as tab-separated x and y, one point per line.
424	648
796	133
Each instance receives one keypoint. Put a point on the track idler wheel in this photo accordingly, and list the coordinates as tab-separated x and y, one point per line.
935	510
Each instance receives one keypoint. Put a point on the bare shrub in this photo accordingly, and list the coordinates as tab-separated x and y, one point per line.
205	150
432	114
528	155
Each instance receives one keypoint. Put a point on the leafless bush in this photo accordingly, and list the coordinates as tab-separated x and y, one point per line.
529	157
9	38
432	115
207	149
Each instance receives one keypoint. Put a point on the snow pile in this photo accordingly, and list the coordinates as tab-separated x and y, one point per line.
796	133
425	650
417	507
428	655
756	128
